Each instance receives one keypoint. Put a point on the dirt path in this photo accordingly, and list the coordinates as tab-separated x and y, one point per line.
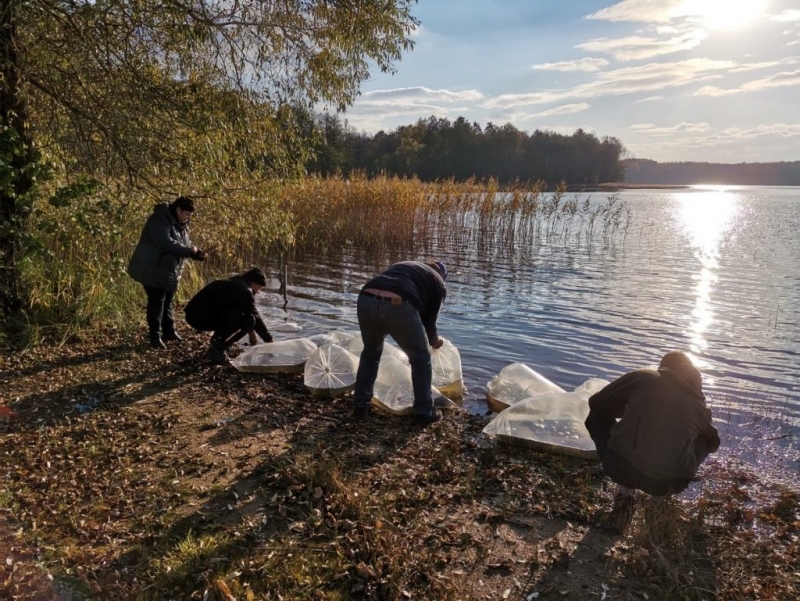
136	474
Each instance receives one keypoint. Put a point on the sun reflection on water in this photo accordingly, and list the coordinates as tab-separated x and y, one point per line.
706	218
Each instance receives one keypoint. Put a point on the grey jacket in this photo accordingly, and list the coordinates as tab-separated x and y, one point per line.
162	251
664	428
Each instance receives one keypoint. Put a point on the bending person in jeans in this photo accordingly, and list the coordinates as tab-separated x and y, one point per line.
228	308
402	302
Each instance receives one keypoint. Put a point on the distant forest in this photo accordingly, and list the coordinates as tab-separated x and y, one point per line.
643	171
436	148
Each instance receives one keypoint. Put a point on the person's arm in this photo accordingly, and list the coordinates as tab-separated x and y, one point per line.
430	315
612	400
158	229
260	328
710	437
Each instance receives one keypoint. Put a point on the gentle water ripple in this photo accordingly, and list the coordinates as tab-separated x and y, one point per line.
713	272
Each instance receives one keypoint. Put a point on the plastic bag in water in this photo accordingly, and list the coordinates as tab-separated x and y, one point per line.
551	422
515	382
447	376
330	370
272	357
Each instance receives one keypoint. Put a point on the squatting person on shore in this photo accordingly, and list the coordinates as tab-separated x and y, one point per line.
652	428
402	302
157	264
228	308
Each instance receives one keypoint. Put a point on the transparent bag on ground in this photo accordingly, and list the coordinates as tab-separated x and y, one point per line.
286	356
516	382
330	370
393	391
356	345
447	376
340	338
550	422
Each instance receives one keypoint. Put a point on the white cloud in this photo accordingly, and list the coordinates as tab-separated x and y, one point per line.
794	43
648	99
643	47
648	11
791	60
417	94
565	109
650	128
586	64
645	78
778	80
783	130
787	16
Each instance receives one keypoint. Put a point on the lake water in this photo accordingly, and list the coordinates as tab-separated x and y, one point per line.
713	271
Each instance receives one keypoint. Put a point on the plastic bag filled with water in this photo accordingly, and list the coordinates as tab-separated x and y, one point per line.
286	356
551	422
393	391
330	370
515	382
447	376
342	338
356	345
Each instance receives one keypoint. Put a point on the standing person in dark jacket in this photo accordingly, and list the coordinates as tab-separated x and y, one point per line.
402	302
157	264
228	308
652	428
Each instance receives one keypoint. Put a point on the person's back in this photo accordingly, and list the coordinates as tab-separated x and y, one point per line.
664	418
652	428
217	297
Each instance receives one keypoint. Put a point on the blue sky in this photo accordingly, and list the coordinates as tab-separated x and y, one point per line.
675	80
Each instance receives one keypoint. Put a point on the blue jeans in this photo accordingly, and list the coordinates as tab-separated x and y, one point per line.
378	318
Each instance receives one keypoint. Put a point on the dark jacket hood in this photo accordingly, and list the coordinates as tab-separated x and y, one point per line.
687	377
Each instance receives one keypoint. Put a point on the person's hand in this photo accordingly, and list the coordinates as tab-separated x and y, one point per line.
198	255
251	338
438	344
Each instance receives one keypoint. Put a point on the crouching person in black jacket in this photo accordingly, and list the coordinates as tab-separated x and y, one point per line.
228	308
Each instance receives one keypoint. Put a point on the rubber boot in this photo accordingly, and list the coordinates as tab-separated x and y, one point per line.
216	352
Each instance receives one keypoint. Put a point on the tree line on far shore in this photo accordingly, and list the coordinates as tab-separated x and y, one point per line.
643	171
436	149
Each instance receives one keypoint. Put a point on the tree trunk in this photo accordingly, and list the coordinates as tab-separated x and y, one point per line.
20	159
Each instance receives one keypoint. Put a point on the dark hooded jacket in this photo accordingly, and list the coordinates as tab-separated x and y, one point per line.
162	250
664	428
420	285
207	309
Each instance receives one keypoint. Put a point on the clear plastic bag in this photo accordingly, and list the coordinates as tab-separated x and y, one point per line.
330	370
551	422
271	357
447	376
516	382
393	391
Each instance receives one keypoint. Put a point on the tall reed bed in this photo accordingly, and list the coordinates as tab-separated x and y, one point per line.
382	213
76	273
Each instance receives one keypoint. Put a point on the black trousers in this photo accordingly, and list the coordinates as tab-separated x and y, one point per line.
622	471
159	311
228	327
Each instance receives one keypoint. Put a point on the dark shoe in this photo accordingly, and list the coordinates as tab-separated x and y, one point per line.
216	355
362	412
156	342
621	513
172	337
424	420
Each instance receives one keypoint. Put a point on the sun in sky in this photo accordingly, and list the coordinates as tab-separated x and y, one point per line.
725	14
